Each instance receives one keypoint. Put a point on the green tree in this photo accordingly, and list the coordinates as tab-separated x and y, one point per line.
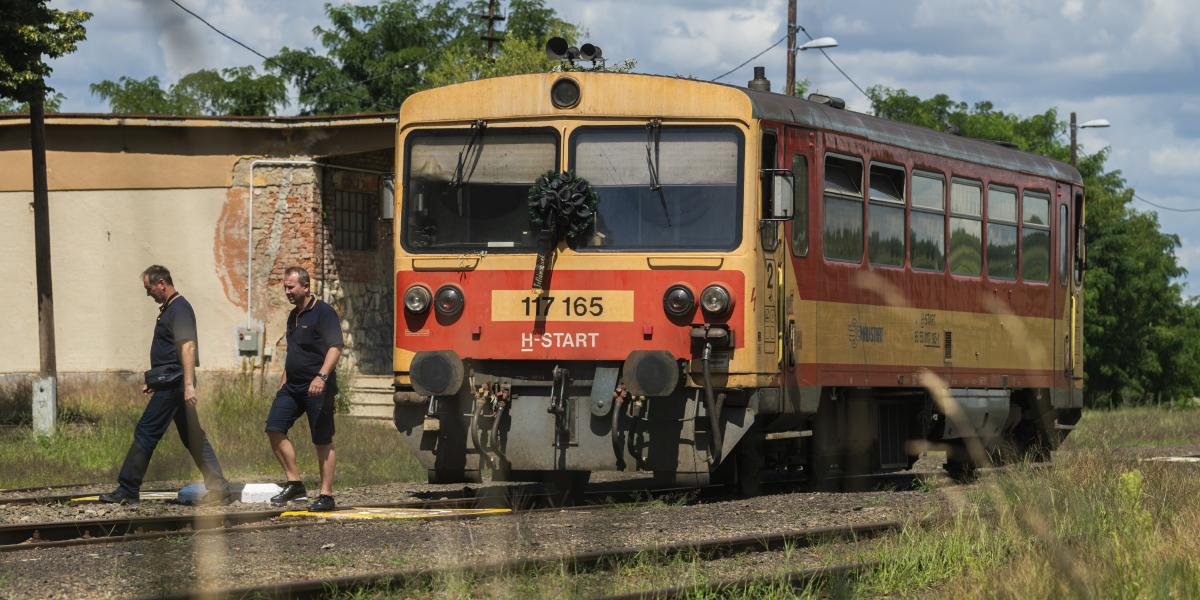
233	91
30	32
53	103
375	56
1141	334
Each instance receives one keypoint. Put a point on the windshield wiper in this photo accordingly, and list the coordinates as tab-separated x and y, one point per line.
461	174
653	145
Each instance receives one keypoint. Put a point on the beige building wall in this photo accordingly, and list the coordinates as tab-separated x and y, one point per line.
100	242
126	193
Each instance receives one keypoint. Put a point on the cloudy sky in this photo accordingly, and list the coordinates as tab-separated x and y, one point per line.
1133	62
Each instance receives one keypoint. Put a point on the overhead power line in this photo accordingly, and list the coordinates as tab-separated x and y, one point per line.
823	53
835	65
225	35
1179	210
267	59
722	75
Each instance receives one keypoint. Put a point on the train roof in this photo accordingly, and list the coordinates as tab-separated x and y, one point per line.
789	109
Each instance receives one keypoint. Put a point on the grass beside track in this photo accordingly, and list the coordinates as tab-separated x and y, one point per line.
96	428
1098	525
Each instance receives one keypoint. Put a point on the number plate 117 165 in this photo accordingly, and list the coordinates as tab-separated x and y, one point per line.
563	305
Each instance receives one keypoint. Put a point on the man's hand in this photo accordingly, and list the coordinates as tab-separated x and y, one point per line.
146	388
189	395
317	387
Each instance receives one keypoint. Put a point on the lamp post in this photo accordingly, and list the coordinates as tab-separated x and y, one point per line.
824	42
1094	123
821	42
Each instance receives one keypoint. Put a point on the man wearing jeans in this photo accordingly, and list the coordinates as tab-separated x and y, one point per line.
173	350
314	345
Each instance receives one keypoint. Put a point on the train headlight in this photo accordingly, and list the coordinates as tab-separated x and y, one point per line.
678	301
417	299
449	301
565	93
715	300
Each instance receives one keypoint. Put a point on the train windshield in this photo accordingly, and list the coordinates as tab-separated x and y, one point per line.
661	187
467	189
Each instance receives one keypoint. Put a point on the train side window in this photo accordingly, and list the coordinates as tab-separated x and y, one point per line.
927	223
1035	237
800	205
1064	232
843	231
966	227
1002	232
885	219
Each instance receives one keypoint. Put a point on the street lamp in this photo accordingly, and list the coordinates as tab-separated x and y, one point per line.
1094	123
821	42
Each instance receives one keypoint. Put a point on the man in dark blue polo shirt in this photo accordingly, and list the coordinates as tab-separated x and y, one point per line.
314	345
174	356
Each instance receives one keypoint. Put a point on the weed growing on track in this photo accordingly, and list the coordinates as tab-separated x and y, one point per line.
91	444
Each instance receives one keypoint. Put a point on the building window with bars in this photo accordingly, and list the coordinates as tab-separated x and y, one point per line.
352	220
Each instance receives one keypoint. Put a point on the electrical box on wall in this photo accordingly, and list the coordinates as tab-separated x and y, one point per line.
248	341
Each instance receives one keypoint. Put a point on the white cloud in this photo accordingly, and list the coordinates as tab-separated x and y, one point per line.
1131	62
1072	10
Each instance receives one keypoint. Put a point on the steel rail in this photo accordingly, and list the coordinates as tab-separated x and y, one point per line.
797	580
24	536
588	561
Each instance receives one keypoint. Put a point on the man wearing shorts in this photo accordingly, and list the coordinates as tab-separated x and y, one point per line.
314	345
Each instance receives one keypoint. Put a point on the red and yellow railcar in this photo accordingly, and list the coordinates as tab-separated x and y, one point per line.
764	282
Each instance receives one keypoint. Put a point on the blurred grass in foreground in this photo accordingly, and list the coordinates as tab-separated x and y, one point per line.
1098	524
96	428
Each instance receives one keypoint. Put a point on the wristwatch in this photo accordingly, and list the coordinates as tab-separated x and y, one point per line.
323	376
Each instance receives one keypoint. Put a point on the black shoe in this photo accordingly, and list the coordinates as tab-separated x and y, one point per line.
323	503
118	496
290	492
214	498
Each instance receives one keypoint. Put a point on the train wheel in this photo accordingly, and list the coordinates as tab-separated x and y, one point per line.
452	476
959	464
565	488
742	470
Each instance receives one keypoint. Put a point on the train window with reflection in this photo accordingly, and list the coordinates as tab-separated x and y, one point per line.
1035	237
843	231
661	187
885	218
467	189
1002	232
927	222
966	227
800	205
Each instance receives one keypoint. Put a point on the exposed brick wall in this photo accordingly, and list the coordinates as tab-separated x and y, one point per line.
360	282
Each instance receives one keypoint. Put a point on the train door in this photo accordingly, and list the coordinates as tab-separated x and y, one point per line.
797	275
770	240
1063	293
1075	360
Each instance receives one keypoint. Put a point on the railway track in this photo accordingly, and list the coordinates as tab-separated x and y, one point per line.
523	499
710	549
516	499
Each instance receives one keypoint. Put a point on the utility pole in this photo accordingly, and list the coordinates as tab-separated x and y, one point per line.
1074	151
491	17
45	389
791	49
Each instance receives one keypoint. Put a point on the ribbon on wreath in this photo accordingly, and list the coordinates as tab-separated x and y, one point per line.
561	206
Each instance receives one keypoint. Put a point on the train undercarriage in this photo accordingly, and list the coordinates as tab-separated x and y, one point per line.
557	422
